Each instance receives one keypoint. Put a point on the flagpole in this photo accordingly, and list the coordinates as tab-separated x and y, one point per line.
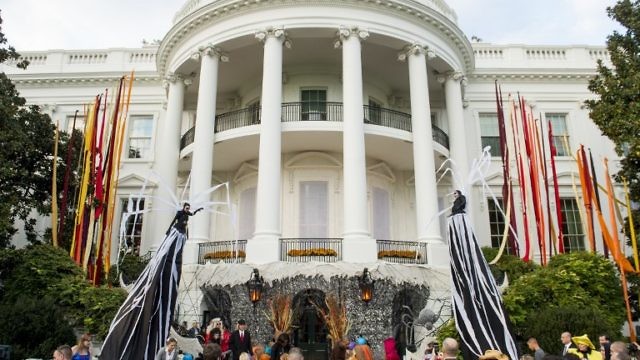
54	189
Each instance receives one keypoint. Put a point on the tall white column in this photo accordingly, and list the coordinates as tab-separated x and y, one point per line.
202	162
264	247
168	153
457	131
358	245
428	226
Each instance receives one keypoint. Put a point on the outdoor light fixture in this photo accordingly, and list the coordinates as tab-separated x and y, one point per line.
255	285
365	283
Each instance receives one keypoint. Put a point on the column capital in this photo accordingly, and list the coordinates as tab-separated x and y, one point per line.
415	49
345	32
276	32
172	78
452	75
210	50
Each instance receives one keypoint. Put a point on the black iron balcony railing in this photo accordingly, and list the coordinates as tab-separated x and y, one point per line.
402	252
238	118
387	118
187	138
440	136
231	251
319	111
311	249
323	111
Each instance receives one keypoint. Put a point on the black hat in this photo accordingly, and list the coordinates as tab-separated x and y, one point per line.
242	322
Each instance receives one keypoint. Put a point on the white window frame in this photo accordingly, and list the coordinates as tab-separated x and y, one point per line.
557	135
151	138
495	150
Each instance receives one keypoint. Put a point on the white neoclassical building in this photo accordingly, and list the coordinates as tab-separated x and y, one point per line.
328	120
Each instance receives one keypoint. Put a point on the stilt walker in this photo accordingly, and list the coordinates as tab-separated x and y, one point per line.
142	323
480	316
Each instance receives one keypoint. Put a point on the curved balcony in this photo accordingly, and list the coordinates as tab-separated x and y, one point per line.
326	111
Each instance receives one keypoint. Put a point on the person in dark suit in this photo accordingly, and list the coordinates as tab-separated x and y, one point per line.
567	343
240	341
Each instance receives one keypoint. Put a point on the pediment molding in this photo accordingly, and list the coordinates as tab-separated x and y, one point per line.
313	159
245	171
135	181
382	170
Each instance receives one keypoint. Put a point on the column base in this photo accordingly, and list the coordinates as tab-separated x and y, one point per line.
263	249
438	254
359	249
191	250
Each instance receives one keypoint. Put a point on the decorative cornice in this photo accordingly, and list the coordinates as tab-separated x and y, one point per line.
439	16
75	81
415	49
531	76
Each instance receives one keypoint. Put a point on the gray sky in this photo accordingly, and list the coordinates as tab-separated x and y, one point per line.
95	24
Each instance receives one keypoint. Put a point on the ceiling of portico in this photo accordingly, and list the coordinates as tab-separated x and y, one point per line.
312	49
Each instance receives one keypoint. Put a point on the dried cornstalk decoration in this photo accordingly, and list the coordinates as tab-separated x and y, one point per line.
335	316
280	314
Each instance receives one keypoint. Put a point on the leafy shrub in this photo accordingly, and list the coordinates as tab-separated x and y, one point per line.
130	268
511	265
58	285
577	292
551	321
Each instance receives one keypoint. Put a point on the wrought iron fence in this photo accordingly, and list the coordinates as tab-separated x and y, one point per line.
402	252
311	249
230	251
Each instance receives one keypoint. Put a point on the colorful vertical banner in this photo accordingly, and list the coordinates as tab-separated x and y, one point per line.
103	140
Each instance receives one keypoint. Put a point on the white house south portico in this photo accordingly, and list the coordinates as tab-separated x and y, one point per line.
368	65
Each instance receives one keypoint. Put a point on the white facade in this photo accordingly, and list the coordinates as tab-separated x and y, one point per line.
289	84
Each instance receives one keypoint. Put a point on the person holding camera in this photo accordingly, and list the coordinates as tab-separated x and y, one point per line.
450	349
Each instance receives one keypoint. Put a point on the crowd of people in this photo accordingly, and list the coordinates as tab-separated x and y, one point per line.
219	343
573	348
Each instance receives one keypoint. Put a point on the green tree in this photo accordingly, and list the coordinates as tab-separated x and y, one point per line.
617	110
26	152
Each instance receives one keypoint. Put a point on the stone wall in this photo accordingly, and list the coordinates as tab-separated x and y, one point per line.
373	320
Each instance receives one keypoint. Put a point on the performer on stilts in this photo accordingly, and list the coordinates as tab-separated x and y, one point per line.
142	323
481	319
